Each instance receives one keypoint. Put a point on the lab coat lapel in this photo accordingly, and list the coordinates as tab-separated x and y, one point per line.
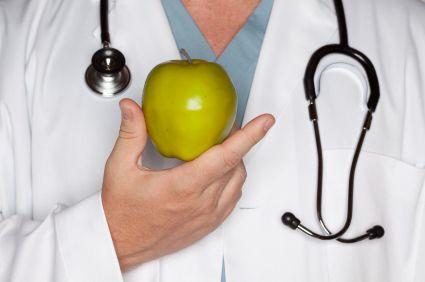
296	29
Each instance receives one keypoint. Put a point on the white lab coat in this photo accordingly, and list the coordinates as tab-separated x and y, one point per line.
55	136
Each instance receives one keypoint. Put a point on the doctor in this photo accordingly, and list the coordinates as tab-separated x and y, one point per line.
77	204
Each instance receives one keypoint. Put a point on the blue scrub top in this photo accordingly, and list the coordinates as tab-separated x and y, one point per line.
239	58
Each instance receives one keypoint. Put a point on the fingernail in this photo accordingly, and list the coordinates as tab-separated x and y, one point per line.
268	124
126	112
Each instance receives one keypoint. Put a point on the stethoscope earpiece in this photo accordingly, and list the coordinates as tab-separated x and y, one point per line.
108	75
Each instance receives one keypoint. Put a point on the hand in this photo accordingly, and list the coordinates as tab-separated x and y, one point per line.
154	213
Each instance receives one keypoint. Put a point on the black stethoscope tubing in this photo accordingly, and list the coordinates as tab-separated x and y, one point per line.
289	219
104	23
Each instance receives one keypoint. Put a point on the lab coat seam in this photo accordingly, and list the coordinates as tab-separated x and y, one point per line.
413	47
61	255
420	225
3	26
158	270
328	5
34	31
60	250
28	28
328	263
402	141
9	133
223	251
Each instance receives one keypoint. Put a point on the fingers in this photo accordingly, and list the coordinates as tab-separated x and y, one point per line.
218	207
215	189
132	136
231	193
216	204
222	158
243	140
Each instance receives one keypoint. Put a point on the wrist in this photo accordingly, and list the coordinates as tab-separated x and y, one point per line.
128	240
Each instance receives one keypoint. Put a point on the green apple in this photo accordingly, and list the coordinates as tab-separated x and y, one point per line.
189	106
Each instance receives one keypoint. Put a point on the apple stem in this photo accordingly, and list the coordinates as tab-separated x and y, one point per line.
184	53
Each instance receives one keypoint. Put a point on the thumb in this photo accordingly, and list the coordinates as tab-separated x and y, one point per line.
132	136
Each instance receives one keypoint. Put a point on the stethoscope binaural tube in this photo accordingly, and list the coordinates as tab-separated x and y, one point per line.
293	222
289	219
107	74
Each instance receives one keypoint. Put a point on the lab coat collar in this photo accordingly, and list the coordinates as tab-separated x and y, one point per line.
296	29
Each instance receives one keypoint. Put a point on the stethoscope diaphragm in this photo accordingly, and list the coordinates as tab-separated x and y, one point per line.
108	74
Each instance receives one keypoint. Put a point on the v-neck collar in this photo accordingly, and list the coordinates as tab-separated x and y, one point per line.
239	58
201	47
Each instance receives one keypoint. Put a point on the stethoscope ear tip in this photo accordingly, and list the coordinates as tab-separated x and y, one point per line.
376	232
290	220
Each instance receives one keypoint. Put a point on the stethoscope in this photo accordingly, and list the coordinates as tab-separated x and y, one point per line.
289	219
108	76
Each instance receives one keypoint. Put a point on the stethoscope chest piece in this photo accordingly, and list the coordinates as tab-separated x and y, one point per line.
108	74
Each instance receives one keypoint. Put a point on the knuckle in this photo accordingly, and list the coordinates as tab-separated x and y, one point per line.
127	134
238	196
229	211
183	190
215	219
231	158
187	192
253	138
235	198
218	219
243	174
111	165
209	207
